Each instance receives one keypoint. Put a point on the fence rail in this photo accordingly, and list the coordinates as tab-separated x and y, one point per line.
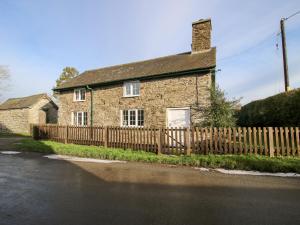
278	141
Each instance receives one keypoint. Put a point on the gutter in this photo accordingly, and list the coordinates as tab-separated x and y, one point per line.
91	115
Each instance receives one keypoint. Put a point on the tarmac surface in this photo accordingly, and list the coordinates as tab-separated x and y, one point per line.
40	191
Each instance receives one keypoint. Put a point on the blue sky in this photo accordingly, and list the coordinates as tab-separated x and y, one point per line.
39	38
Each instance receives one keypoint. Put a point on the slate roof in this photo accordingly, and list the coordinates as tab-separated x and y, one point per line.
20	103
155	67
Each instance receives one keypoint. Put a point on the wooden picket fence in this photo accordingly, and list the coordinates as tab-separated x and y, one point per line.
269	141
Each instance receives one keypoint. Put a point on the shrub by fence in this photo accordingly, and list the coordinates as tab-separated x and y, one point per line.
246	140
276	111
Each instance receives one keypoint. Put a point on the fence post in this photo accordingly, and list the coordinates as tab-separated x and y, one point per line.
105	136
271	142
158	138
67	134
187	139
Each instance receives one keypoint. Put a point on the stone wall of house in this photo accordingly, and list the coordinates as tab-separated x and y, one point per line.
14	120
155	97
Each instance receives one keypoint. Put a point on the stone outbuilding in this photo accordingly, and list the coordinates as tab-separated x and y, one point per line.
16	114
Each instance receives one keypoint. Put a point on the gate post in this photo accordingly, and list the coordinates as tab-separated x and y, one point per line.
271	142
159	139
67	134
105	136
187	140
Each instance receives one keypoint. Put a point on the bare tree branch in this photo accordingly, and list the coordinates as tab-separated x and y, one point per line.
4	79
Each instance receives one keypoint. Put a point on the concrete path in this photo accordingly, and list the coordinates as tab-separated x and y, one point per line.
37	190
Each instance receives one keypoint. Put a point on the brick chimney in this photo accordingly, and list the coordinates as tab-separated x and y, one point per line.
201	37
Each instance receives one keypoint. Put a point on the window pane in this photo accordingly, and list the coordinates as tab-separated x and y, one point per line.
75	118
85	119
140	117
127	89
79	119
125	117
132	120
136	88
77	95
82	94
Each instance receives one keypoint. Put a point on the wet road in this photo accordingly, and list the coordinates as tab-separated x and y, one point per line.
40	191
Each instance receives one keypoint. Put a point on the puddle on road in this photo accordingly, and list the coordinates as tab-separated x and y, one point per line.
256	173
9	152
78	159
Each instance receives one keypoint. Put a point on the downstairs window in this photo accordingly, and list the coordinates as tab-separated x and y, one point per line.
79	118
132	118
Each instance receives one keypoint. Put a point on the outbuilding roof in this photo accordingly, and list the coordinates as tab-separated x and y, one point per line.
24	102
144	69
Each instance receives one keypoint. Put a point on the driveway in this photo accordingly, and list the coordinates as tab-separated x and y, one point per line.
37	190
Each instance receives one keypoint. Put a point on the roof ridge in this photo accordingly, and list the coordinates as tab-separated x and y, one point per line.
28	96
141	61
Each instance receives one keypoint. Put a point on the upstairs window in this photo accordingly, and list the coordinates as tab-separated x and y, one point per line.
131	89
133	118
79	94
79	118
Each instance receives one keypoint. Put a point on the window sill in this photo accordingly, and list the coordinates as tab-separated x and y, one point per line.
133	126
130	96
79	100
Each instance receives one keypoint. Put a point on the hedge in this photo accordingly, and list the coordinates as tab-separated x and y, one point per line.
277	111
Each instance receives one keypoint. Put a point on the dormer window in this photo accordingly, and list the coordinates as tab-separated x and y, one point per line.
79	95
131	89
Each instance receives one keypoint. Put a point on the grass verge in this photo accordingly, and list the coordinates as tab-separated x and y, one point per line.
242	162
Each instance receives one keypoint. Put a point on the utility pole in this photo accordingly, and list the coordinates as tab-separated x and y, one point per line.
284	56
284	52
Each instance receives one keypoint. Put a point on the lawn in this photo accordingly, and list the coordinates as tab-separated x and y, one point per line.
243	162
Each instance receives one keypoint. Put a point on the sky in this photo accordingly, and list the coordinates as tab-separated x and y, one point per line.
39	38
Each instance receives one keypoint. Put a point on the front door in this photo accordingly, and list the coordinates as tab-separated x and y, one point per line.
178	117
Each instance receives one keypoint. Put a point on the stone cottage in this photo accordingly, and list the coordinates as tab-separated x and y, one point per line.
16	114
166	91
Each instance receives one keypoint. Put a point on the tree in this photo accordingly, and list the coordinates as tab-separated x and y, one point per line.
221	112
67	74
4	78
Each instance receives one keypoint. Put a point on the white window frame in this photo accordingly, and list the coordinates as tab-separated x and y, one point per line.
131	85
79	95
82	118
136	117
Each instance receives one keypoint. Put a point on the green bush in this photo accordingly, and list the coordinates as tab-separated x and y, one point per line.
276	111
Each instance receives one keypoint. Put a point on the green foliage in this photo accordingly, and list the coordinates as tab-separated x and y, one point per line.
67	74
244	162
276	111
221	112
